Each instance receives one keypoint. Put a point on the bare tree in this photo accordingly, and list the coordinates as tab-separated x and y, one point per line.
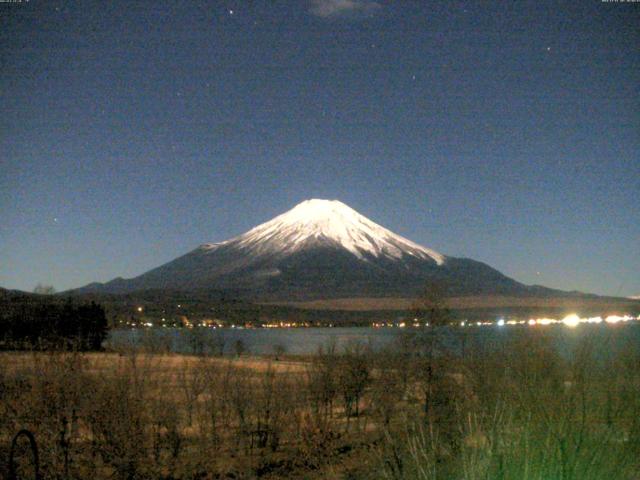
353	376
192	381
279	350
44	289
239	347
431	305
322	383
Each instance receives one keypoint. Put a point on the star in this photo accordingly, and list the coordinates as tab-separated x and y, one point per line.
230	12
548	49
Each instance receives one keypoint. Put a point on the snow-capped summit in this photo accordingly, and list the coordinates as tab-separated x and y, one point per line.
327	222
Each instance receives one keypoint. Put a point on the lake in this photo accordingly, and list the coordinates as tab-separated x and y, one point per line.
304	341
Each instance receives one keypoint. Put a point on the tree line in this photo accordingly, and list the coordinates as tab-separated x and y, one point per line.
47	325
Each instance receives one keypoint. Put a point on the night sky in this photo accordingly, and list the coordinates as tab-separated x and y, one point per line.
507	132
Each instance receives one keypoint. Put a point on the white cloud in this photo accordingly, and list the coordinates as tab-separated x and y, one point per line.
334	8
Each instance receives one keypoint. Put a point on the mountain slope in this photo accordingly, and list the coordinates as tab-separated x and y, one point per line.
319	249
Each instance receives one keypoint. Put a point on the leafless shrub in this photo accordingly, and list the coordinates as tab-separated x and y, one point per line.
279	350
322	384
192	382
318	440
117	421
239	348
354	370
388	387
216	409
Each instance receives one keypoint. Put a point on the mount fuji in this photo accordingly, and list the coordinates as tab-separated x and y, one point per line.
320	249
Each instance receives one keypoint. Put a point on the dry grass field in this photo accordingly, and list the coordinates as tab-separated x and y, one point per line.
415	411
614	305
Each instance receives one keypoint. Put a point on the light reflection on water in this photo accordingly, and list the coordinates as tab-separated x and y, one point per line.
605	337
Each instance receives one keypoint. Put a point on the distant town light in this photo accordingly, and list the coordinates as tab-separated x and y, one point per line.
572	320
501	322
139	309
546	321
